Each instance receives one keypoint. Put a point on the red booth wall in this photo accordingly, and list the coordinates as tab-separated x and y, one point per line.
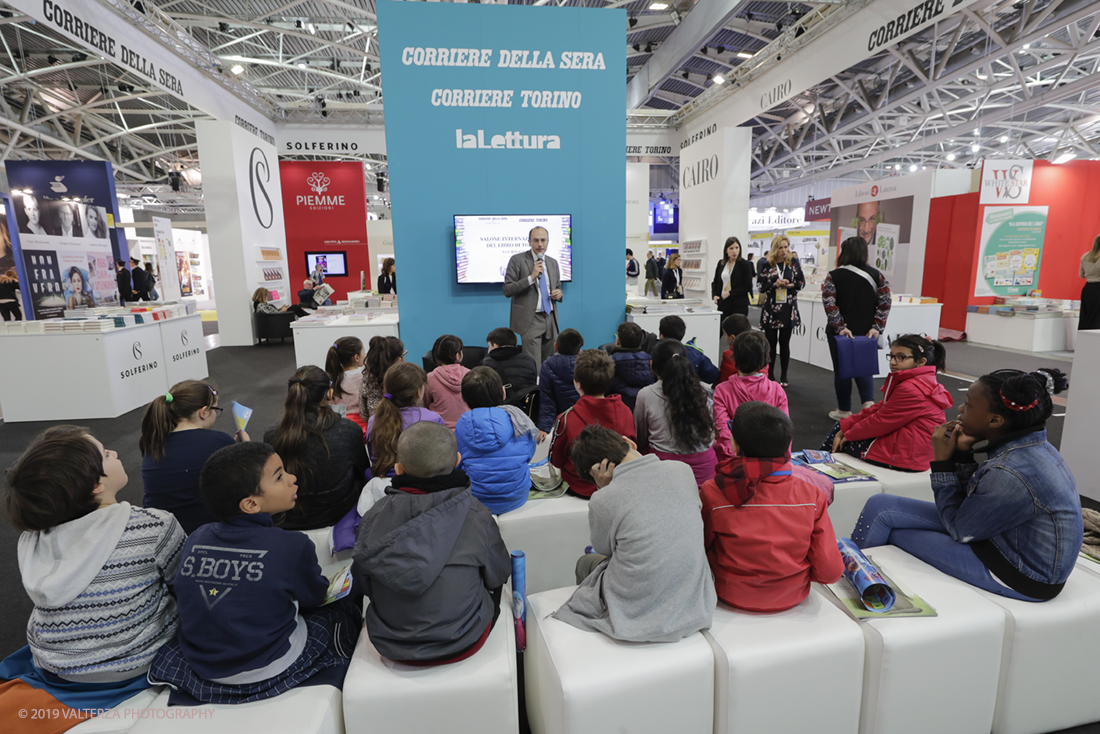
325	210
1070	190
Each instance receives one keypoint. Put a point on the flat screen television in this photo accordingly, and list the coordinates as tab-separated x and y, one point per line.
485	243
333	264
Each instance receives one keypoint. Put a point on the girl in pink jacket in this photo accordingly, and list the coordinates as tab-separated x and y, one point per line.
443	392
750	352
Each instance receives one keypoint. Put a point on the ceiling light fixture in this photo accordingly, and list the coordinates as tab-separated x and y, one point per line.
658	6
744	55
975	148
237	69
719	79
302	64
1065	158
311	29
1004	138
897	166
912	168
950	156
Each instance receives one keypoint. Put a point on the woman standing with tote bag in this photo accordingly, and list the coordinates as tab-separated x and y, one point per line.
857	302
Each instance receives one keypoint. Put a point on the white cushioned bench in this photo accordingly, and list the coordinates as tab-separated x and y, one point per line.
478	695
302	710
848	501
121	718
761	660
1046	681
581	682
553	534
931	674
917	485
330	563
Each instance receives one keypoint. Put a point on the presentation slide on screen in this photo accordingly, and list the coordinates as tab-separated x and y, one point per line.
484	244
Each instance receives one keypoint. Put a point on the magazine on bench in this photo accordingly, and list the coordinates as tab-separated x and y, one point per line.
905	602
825	463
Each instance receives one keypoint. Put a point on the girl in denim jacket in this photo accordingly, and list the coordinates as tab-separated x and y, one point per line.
1007	515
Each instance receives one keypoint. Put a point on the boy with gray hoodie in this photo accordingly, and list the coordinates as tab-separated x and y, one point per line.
96	569
430	557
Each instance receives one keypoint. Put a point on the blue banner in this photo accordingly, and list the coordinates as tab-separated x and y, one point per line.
65	214
504	110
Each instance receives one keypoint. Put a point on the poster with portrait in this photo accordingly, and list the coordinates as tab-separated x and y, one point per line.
885	225
1011	250
183	270
44	283
65	214
7	248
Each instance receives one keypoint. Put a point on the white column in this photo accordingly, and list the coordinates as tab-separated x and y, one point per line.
244	212
1082	406
714	192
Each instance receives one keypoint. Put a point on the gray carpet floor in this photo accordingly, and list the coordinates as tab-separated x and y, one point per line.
256	377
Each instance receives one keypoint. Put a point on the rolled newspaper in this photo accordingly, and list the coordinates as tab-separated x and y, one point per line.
519	598
873	590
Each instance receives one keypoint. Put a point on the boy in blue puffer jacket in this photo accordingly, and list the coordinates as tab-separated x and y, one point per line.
632	369
496	442
556	380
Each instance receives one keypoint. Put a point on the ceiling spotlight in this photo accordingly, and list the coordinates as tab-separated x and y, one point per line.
913	168
237	69
897	166
301	64
658	6
703	50
719	49
1065	157
311	29
223	27
77	58
975	148
632	21
950	156
367	166
28	192
1026	46
686	75
719	79
298	24
637	48
649	48
51	59
710	77
744	55
1004	138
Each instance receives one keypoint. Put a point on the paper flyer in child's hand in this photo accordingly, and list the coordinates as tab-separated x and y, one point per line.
339	585
241	415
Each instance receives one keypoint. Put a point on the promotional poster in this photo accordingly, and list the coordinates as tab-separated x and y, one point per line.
1011	250
65	213
886	226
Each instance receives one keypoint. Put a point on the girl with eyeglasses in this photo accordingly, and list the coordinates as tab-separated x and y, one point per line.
896	432
177	438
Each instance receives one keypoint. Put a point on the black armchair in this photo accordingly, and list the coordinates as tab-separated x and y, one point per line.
272	325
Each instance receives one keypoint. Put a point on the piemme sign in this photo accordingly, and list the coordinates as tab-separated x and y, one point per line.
917	16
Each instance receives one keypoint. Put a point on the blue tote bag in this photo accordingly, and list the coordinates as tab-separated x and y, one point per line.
856	357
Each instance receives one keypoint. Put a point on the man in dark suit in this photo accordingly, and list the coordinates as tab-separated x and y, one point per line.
141	285
533	282
122	277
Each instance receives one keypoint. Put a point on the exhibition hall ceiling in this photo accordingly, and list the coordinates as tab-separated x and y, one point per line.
1002	78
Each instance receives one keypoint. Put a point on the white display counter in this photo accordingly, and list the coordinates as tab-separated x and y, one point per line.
83	376
1020	332
311	343
702	326
1078	446
810	344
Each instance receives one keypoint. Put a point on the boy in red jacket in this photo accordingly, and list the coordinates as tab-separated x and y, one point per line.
592	377
731	327
766	531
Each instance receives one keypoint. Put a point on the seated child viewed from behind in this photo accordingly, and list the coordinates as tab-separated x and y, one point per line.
648	579
632	370
97	570
592	376
443	390
439	604
517	370
766	531
732	327
250	595
557	393
750	350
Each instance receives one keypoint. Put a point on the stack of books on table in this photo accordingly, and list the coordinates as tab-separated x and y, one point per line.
99	325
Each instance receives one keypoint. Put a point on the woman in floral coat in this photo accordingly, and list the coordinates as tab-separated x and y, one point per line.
780	279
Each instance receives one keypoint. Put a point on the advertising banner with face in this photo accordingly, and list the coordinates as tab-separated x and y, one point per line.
68	210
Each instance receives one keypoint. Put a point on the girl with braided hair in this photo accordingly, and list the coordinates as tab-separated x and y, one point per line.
1007	516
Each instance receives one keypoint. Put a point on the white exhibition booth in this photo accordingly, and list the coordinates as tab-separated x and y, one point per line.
82	376
1078	445
1049	331
312	341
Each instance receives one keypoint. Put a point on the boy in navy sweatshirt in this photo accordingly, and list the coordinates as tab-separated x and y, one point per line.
250	594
